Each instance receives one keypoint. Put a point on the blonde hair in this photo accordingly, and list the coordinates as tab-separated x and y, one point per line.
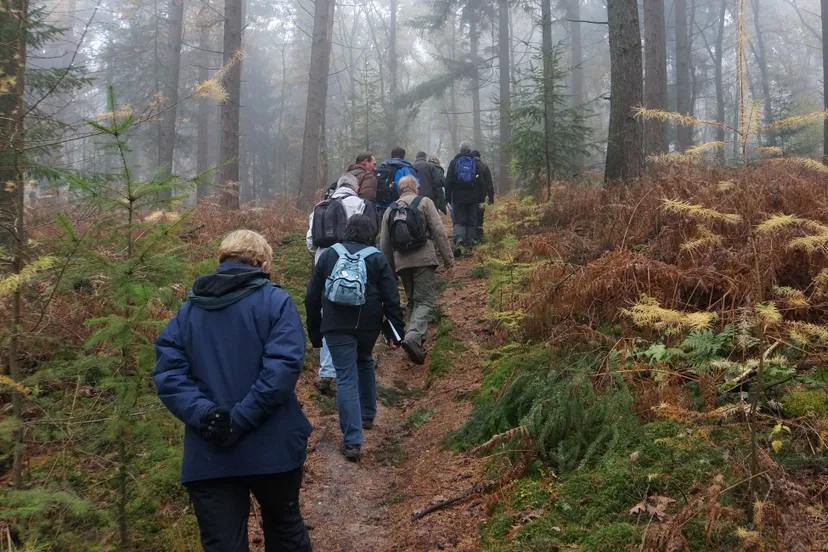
407	184
245	246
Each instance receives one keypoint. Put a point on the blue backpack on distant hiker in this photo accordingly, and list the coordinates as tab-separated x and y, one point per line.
349	277
466	170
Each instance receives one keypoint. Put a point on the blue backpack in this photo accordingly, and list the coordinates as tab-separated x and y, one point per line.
466	169
349	277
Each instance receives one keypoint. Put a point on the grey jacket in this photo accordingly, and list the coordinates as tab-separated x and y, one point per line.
426	255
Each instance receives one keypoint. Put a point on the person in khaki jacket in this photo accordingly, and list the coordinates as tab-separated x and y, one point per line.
414	258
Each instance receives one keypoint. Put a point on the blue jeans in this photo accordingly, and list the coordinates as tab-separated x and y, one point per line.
356	381
326	367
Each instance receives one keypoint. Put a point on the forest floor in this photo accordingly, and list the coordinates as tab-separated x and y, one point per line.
367	507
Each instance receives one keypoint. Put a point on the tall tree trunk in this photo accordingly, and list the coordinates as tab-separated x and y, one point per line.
393	72
452	118
317	99
655	83
577	48
166	148
504	50
13	40
203	122
684	133
720	99
762	60
548	86
230	107
474	40
625	150
824	6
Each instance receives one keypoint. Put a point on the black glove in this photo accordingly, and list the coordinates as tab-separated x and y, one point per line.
216	424
232	435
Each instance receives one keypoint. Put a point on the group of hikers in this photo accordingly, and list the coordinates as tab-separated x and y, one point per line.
227	364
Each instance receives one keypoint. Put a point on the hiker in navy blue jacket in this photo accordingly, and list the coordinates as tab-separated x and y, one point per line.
227	366
352	331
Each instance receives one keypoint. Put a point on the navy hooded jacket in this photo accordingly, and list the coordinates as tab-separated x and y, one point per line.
238	343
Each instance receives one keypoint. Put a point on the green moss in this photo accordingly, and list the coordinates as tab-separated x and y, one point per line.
497	527
419	419
805	402
503	369
441	354
611	538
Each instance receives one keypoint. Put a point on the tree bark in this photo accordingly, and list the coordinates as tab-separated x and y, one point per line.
684	132
762	60
474	43
625	149
504	51
574	13
230	107
720	99
452	118
548	86
311	176
655	84
203	122
393	72
824	6
166	148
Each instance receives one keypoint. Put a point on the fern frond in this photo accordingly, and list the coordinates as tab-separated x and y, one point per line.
777	222
706	238
520	433
678	118
12	282
699	211
648	313
793	298
768	313
725	186
801	162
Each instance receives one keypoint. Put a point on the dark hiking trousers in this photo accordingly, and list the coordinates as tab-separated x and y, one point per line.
222	507
465	223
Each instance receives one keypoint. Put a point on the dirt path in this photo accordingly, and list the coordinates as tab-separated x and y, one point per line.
367	507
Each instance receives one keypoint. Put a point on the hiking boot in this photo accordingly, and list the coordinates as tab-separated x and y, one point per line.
350	452
415	352
367	424
326	386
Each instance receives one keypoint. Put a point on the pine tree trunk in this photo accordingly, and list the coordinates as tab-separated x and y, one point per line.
166	148
762	60
474	40
684	133
230	108
203	123
548	86
12	127
311	175
720	99
655	84
504	47
625	149
393	72
576	65
824	6
452	118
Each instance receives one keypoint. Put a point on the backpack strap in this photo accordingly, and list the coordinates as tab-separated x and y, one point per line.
367	252
340	249
416	203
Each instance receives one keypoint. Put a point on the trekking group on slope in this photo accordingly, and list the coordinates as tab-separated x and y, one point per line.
227	364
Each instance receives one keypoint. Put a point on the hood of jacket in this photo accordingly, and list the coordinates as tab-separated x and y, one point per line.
399	163
231	283
344	191
356	170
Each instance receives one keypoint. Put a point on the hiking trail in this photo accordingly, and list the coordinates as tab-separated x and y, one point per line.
367	507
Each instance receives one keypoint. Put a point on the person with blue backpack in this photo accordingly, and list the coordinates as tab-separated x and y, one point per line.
350	293
388	176
465	190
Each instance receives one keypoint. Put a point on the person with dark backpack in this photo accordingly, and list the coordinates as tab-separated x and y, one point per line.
464	191
351	290
488	187
410	230
326	228
388	176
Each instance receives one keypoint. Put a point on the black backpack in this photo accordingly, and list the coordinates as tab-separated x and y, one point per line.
406	226
385	182
330	190
329	222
